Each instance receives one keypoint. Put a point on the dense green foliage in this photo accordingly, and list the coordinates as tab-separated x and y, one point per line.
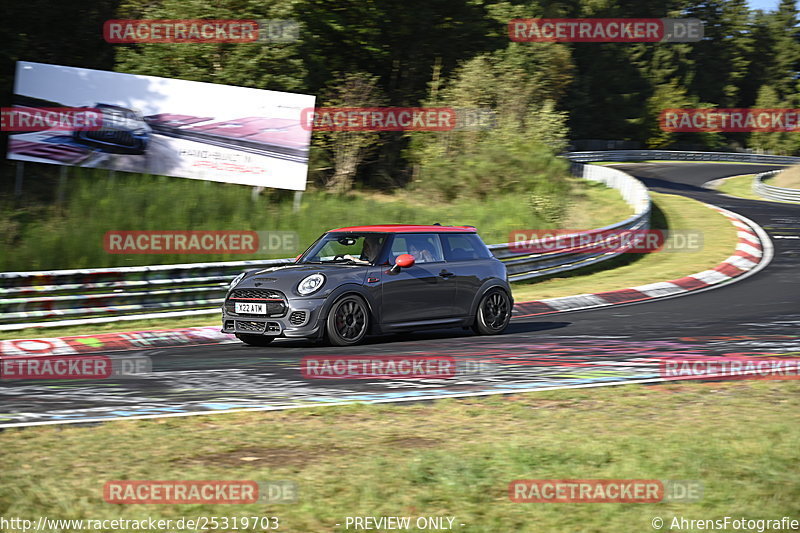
544	97
440	51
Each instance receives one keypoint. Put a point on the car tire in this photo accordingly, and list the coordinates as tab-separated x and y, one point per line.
493	313
348	321
255	340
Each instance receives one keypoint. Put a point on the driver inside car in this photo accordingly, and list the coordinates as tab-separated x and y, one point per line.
369	252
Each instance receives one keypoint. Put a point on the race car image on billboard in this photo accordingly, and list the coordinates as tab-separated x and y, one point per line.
124	131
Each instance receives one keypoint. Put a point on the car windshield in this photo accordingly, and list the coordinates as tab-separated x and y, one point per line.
345	248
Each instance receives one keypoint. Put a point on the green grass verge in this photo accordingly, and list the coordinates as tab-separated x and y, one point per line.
447	458
669	212
742	187
739	186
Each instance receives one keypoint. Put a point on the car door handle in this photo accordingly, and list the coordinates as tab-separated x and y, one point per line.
446	274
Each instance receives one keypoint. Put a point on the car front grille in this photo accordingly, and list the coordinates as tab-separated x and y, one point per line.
252	326
256	294
274	300
123	138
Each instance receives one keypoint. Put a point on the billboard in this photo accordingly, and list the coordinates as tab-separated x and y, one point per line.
154	125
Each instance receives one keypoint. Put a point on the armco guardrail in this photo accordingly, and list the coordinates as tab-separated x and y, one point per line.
64	297
67	297
647	155
770	192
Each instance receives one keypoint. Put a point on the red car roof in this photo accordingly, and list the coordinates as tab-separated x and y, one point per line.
407	228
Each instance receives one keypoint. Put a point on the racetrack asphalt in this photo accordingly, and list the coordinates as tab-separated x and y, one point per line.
758	316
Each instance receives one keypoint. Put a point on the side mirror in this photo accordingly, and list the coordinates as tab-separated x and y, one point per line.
402	261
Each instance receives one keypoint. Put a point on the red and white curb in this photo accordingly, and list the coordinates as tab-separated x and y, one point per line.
753	252
115	342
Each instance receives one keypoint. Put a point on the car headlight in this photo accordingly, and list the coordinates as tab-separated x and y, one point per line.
311	284
140	131
236	280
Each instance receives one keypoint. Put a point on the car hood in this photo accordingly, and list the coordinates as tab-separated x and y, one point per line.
286	277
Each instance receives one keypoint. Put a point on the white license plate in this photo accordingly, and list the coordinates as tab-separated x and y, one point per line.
250	309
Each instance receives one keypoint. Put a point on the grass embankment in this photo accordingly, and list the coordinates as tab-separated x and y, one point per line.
670	212
447	458
788	179
48	236
739	186
742	186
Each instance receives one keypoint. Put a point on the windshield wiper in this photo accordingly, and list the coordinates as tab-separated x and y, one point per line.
346	261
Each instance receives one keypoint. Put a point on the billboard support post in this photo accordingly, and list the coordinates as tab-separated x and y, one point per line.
298	196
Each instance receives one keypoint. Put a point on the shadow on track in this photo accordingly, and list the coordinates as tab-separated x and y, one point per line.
392	340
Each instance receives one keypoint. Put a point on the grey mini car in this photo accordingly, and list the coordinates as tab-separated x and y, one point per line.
371	280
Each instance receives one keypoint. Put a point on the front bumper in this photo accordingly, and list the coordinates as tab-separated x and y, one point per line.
302	319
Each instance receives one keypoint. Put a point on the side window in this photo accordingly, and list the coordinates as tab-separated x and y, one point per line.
463	247
425	247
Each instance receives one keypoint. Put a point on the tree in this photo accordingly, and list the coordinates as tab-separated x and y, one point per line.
348	149
723	57
772	142
521	85
67	33
262	65
785	66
